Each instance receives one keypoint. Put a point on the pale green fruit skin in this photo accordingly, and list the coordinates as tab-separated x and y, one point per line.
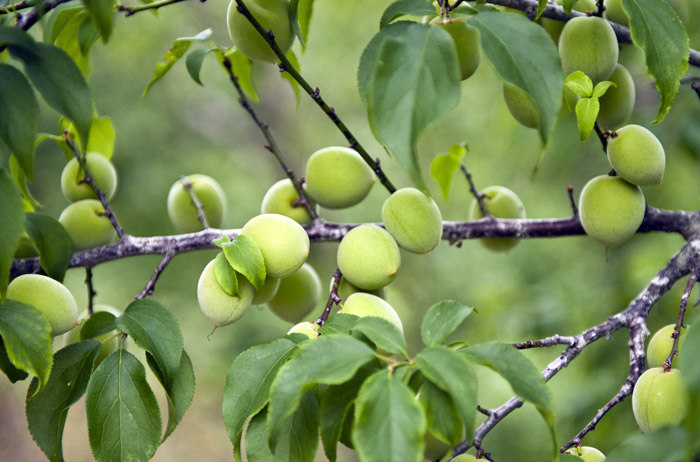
266	292
615	13
588	454
611	209
338	177
345	289
617	104
413	219
434	448
86	224
660	345
283	242
500	202
108	347
280	199
466	40
362	304
465	458
183	213
659	399
219	307
637	155
588	44
50	297
369	257
102	172
521	106
25	248
272	15
310	329
555	27
297	295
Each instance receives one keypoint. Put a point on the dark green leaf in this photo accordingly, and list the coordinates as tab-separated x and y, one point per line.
225	275
658	31
47	411
406	7
389	422
52	241
327	360
13	37
11	211
667	444
194	62
300	16
443	421
58	20
586	115
248	384
441	320
244	255
102	12
444	166
338	324
100	323
101	137
19	117
27	337
541	5
87	35
179	391
123	417
383	334
13	374
68	40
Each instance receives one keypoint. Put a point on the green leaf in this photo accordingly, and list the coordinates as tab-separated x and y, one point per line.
102	136
657	30
58	21
667	444
602	87
339	324
19	117
60	83
414	81
13	374
443	421
177	51
292	57
389	422
154	328
444	166
20	179
52	241
568	5
586	115
123	417
47	411
541	5
243	69
100	323
179	390
102	12
508	41
441	320
13	37
68	39
225	275
244	256
27	337
383	334
300	16
11	228
194	62
406	7
248	384
327	360
580	84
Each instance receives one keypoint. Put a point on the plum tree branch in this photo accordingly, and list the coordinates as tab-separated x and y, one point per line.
475	192
333	298
9	9
151	285
679	322
132	10
27	20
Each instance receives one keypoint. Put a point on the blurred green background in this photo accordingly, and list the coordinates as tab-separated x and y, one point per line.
540	288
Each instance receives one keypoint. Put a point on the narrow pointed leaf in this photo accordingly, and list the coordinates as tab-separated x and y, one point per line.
441	320
602	87
52	241
382	333
443	421
17	38
179	391
243	69
102	12
11	210
444	166
580	84
244	256
586	115
20	179
100	323
194	62
19	118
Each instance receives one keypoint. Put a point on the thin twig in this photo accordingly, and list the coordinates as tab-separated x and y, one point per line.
696	86
546	342
333	298
151	285
475	192
603	136
195	201
90	289
570	190
9	9
131	10
601	8
679	322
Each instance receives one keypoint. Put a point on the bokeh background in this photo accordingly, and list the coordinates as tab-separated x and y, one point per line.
540	288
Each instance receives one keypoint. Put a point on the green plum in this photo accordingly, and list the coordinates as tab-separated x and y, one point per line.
500	202
465	458
283	242
369	257
338	177
297	295
554	27
219	307
611	209
102	172
659	399
110	341
615	13
637	155
521	106
466	40
181	209
86	224
363	304
660	345
280	199
413	220
267	291
50	297
587	453
308	328
273	15
617	104
345	289
588	44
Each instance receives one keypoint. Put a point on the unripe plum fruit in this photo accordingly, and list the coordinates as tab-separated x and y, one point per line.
280	199
465	458
369	257
362	304
338	177
637	155
310	329
617	104
611	209
466	40
50	297
413	219
554	27
587	453
659	399
345	289
521	106
86	224
267	291
108	347
588	44
297	295
283	242
660	345
219	307
181	209
273	15
500	202
615	13
102	172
